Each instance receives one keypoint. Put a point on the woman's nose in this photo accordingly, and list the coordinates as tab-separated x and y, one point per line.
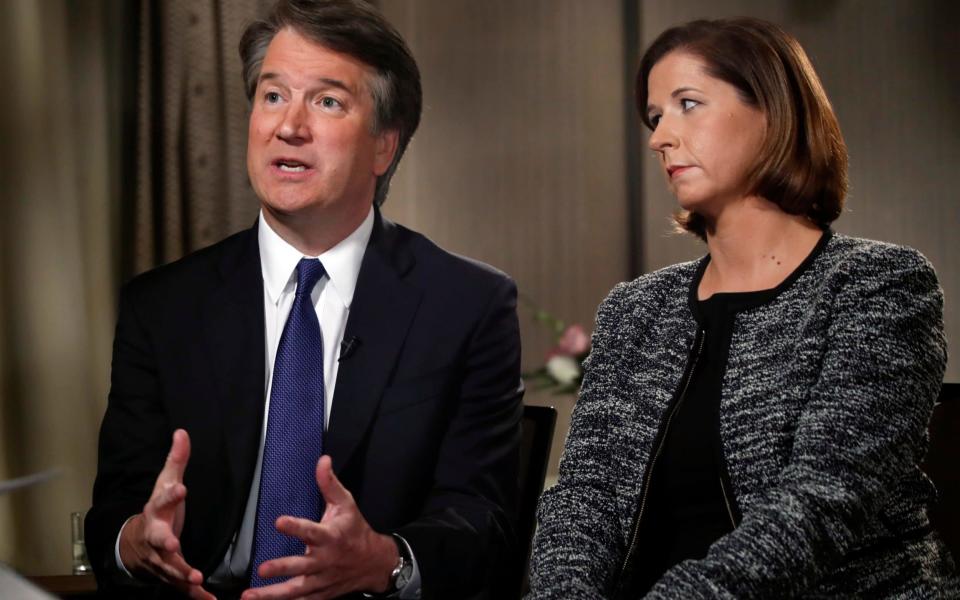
663	137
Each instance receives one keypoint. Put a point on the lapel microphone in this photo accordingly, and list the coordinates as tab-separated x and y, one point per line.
348	346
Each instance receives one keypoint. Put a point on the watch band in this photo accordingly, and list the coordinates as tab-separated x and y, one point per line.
400	575
395	575
402	572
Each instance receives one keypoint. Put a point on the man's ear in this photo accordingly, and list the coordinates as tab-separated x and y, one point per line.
386	148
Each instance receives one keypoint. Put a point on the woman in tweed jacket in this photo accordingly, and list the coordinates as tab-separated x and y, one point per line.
750	424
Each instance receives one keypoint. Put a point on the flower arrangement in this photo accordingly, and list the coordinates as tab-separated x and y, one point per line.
562	370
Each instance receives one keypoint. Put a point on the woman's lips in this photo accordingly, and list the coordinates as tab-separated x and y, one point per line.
677	170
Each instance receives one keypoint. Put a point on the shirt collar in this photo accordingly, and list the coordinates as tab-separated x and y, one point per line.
278	260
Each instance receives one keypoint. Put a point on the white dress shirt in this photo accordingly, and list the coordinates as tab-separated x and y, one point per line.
331	296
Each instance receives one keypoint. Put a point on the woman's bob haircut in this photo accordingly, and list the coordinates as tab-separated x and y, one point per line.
802	163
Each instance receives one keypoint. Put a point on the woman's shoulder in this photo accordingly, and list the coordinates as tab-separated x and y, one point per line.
861	254
857	267
668	284
671	278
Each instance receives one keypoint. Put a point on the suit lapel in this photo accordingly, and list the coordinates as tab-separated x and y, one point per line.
383	308
234	335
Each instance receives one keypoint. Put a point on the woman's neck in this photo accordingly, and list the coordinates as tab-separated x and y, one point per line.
754	245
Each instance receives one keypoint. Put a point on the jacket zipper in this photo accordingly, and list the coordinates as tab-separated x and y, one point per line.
733	511
726	501
645	486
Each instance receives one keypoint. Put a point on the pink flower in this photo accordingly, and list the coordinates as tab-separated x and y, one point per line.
574	341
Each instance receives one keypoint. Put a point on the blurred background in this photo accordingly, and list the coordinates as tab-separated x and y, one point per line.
123	137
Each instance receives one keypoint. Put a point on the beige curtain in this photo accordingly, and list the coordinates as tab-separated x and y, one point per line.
191	177
95	190
57	268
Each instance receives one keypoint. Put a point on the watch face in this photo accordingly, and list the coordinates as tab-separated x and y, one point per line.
406	572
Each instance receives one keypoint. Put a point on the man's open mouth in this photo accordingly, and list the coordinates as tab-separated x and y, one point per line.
290	166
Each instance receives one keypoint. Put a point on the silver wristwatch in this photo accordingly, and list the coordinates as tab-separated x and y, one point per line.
401	574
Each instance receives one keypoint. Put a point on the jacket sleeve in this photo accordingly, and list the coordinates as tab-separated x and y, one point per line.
464	539
578	543
134	440
862	431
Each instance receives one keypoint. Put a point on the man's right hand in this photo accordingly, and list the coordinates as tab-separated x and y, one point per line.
150	541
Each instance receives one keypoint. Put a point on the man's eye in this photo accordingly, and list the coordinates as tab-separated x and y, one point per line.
688	104
329	102
271	97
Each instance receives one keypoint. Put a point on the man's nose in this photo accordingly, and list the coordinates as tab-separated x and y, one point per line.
294	127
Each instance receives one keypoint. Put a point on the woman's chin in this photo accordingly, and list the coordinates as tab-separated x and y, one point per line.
687	203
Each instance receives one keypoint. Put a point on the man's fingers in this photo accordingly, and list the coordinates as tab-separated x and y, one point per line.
311	532
165	496
297	587
176	462
160	537
292	588
171	544
177	458
289	566
198	593
162	569
165	554
179	566
193	591
330	487
165	571
171	566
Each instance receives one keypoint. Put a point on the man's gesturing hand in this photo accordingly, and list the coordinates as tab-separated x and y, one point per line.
343	553
150	541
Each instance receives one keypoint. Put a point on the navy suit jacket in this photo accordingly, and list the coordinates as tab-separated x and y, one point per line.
425	424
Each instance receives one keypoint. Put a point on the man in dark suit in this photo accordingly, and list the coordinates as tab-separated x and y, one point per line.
323	330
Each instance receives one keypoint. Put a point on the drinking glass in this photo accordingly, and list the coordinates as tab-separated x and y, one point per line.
81	566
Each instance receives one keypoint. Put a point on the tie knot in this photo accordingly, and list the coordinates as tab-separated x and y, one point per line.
309	272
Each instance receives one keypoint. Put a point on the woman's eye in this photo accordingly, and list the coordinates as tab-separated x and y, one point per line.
687	104
654	120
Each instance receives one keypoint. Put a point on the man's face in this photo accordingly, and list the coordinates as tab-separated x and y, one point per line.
310	150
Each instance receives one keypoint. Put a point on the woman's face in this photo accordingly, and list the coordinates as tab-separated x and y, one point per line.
706	137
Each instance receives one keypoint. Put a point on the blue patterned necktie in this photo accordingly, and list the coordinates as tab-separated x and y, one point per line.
294	439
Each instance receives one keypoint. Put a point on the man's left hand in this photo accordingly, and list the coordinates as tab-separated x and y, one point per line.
343	553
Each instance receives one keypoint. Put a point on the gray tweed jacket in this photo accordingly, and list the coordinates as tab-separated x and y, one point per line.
823	421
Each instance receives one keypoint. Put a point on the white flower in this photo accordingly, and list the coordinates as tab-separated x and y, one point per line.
565	369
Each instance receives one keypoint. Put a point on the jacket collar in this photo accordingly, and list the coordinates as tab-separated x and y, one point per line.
383	309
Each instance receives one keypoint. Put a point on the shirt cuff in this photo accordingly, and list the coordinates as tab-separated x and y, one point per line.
116	552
